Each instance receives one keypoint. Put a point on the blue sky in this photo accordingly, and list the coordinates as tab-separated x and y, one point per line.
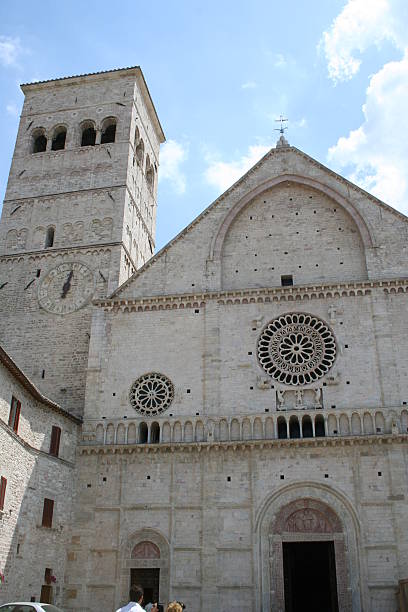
220	73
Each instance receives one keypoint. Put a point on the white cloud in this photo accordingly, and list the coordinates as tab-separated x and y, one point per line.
222	174
249	85
10	49
361	24
172	155
280	61
299	123
12	110
377	151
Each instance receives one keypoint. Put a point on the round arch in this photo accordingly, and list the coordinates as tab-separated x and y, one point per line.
218	239
308	511
145	549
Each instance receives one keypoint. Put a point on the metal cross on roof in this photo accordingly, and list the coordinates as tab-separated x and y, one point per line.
282	127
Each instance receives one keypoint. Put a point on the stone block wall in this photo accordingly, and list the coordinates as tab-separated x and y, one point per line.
26	548
211	510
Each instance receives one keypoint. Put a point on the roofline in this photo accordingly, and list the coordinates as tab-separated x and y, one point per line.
72	77
135	70
13	368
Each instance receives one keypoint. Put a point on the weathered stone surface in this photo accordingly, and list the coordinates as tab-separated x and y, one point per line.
208	488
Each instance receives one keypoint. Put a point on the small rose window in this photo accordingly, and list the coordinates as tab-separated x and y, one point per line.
151	394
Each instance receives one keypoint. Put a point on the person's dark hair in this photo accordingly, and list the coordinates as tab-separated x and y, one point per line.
180	603
135	592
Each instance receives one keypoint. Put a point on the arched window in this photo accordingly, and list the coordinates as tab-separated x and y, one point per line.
142	433
294	428
58	138
108	131
88	135
150	177
307	428
137	136
149	172
155	433
39	142
319	427
282	429
49	237
140	152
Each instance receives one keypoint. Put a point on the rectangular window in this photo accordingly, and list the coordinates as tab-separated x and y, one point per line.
14	415
55	440
48	511
3	485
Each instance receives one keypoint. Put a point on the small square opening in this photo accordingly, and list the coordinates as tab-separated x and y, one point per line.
287	280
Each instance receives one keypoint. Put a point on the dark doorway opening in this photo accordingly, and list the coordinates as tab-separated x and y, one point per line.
310	577
149	580
46	594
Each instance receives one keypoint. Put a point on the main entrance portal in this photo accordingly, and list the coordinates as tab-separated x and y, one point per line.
310	576
150	580
306	555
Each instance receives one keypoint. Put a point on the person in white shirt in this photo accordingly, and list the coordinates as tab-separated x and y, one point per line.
136	598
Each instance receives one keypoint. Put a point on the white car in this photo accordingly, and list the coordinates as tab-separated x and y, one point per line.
29	606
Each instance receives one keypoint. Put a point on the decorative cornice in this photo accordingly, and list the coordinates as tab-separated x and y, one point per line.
56	251
198	447
252	296
62	194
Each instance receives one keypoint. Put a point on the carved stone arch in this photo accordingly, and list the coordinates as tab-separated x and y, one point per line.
145	549
309	511
219	236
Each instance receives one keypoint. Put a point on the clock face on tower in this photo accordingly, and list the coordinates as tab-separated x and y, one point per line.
66	288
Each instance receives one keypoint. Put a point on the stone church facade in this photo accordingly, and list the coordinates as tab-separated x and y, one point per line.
240	396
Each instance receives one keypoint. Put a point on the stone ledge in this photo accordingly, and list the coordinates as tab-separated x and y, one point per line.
128	449
253	296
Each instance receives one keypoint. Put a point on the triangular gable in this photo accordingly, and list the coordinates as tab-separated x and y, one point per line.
228	199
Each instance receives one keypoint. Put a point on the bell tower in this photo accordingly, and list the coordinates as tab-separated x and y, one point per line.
78	218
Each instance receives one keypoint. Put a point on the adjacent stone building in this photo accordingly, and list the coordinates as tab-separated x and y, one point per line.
244	392
38	441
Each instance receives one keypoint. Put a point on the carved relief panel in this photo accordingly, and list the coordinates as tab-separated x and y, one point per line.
16	239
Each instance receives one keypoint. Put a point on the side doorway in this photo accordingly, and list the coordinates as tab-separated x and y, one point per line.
149	579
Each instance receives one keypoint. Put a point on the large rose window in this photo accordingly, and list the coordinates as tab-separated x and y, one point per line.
296	349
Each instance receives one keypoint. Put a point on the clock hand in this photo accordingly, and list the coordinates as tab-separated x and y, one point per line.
67	285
